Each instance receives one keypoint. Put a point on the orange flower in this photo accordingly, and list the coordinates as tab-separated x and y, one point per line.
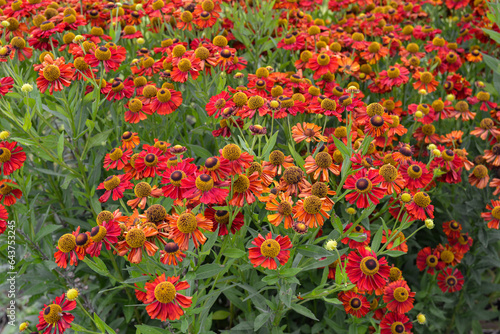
425	80
188	226
245	188
136	241
307	132
283	208
312	211
320	165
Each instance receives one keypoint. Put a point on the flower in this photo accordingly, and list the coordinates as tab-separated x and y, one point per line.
187	226
307	132
330	245
429	259
111	56
164	301
268	250
312	210
151	162
421	206
366	271
283	210
107	233
425	80
452	229
319	166
237	159
365	185
171	255
67	248
137	239
130	140
245	188
12	157
54	73
450	280
116	185
8	194
55	318
398	297
172	178
166	101
203	188
416	175
72	294
117	159
355	304
220	219
395	323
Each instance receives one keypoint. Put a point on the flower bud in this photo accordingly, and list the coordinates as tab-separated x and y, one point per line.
436	152
72	294
431	147
450	97
4	135
140	41
26	88
331	245
5	24
421	318
429	223
419	114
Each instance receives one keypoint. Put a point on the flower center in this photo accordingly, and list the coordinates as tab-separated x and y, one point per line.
255	102
388	172
241	184
480	171
323	160
5	189
451	281
52	313
115	154
496	212
323	59
51	73
135	238
222	216
369	266
319	189
293	175
171	247
422	199
184	65
400	294
204	182
111	182
449	155
374	109
187	223
447	256
414	171
276	158
176	177
156	213
328	104
150	159
98	233
431	261
270	248
142	189
231	152
103	53
377	121
66	243
426	77
363	185
355	303
312	205
165	292
397	328
135	105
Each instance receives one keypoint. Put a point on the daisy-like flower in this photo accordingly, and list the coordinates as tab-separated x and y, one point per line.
237	159
136	111
322	64
463	243
186	67
395	323
54	73
130	140
245	188
425	80
365	185
366	271
173	176
12	157
8	194
143	191
151	162
268	250
55	318
355	304
166	101
203	188
450	280
398	297
137	240
308	132
171	255
277	162
107	233
164	301
115	185
188	226
416	175
403	152
283	210
359	237
486	129
67	249
402	246
319	166
220	219
312	210
111	56
430	260
218	103
492	217
420	208
374	53
117	159
6	84
479	177
395	76
393	181
451	256
452	229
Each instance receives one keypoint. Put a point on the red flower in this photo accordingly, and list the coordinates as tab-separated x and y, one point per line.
355	304
450	280
151	162
164	300
4	215
117	159
12	157
166	101
8	194
171	255
184	68
366	271
237	159
429	259
173	176
107	233
452	229
492	217
187	226
267	250
218	103
68	249
364	183
137	111
116	185
220	218
54	73
54	318
245	188
395	323
111	56
137	239
204	188
421	206
416	175
6	84
398	297
359	237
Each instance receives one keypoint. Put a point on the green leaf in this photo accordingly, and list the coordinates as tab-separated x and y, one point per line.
377	239
208	270
200	151
313	251
102	325
261	320
234	253
269	146
95	267
220	315
304	311
99	138
27	121
145	329
60	146
289	272
299	161
47	229
492	63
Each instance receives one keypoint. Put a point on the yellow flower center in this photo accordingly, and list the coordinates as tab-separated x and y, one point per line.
293	175
98	233
255	102
496	212
240	99
323	160
323	59
270	248
5	154
426	77
102	53
52	313
394	274
231	152
369	266
135	238
422	199
241	184
312	205
115	154
397	328
447	256
414	171
319	189
480	171
204	182
276	158
374	109
393	73
142	189
51	73
431	261
187	223
220	41
104	216
388	172
202	53
165	292
111	182
5	189
67	243
400	294
374	47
